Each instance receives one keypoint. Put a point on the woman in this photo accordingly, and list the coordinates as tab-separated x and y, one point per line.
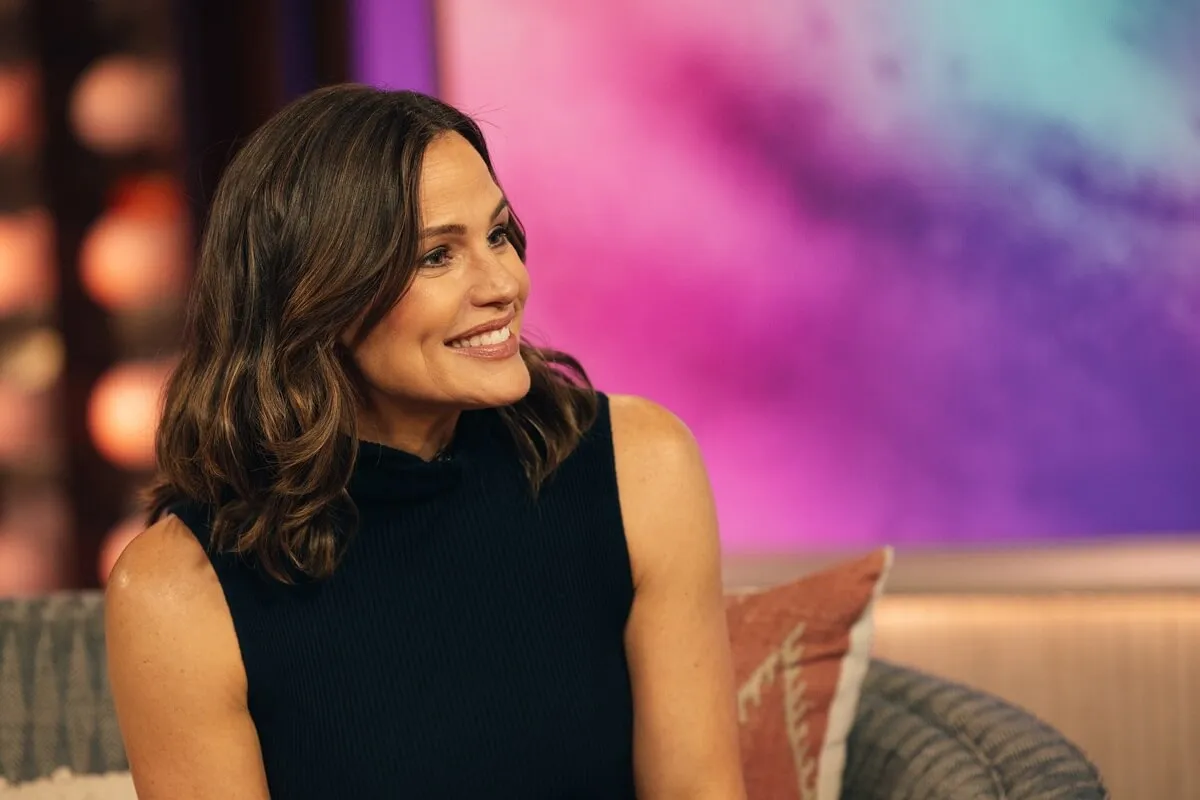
394	550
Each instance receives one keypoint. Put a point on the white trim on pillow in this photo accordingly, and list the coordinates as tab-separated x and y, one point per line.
849	688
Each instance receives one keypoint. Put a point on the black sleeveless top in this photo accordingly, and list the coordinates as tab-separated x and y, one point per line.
469	645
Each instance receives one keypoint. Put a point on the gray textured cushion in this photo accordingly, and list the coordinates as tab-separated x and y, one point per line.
55	707
918	737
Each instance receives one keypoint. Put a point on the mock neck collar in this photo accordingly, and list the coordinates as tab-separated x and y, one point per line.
384	474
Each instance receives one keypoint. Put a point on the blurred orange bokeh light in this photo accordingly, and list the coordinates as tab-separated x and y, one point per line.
123	412
26	424
19	114
132	260
124	103
34	537
27	280
152	194
27	566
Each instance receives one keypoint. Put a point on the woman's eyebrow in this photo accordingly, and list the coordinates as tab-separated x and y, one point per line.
455	229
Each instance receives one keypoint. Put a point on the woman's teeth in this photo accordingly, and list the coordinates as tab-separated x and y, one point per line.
499	336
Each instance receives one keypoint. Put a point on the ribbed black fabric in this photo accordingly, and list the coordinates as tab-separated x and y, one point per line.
470	645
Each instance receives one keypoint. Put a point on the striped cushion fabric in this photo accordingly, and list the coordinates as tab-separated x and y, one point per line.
55	707
923	738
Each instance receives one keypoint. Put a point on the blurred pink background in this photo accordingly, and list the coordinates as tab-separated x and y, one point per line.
900	291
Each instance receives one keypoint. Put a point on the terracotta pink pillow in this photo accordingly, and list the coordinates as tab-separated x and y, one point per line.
800	654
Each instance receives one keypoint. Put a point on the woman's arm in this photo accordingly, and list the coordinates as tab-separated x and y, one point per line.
176	673
685	724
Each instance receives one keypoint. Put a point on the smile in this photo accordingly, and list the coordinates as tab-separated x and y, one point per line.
491	338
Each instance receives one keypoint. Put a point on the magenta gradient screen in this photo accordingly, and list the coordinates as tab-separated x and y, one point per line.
917	271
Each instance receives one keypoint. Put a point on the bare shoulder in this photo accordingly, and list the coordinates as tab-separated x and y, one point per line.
666	499
165	612
685	725
176	672
648	438
162	572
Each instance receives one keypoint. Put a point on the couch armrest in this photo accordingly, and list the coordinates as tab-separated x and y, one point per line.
919	737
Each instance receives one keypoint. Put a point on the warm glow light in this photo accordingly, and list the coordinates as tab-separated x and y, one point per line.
124	103
132	259
33	540
114	544
33	362
153	194
19	117
27	567
27	423
26	276
123	411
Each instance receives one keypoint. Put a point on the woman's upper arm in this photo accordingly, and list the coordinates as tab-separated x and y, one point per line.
685	723
176	673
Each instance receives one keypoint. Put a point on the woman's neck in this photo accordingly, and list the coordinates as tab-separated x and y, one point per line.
425	436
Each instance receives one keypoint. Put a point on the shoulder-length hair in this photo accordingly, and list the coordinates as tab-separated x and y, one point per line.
314	226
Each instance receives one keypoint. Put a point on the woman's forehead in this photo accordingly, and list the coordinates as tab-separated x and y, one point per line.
454	180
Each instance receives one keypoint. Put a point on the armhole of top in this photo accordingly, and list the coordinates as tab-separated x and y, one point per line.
600	437
197	518
601	427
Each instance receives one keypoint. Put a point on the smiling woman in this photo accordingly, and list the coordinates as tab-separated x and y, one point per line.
396	550
465	298
322	312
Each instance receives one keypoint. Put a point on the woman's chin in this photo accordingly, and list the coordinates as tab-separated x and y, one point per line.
499	389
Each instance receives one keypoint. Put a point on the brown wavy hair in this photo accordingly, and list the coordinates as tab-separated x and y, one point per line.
315	220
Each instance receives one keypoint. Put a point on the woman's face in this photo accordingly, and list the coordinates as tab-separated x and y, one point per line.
452	340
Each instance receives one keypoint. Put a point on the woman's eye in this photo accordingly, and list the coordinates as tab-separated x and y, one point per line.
436	258
499	236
